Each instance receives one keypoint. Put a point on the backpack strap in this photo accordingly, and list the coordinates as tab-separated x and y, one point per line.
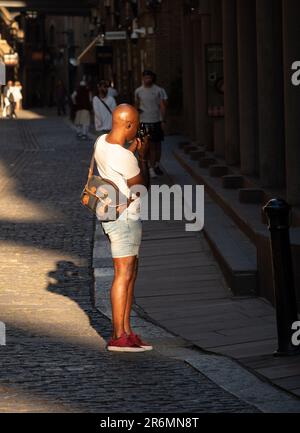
100	99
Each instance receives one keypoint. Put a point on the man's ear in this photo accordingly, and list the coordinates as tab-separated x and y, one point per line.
128	126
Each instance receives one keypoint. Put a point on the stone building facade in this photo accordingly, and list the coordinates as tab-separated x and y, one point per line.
256	135
259	132
230	68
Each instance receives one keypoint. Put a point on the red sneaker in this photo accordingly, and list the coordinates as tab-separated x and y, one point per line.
123	344
137	340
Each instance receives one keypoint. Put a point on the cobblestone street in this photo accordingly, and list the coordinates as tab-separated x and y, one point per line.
55	358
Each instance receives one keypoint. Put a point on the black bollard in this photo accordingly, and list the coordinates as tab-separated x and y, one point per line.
278	212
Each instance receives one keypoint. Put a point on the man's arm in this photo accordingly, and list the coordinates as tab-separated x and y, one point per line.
134	145
163	103
163	109
143	177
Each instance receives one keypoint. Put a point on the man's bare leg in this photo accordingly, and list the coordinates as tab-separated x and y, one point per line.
124	272
130	294
153	153
157	152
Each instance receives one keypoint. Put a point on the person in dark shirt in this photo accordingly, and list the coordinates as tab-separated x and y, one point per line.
82	100
60	93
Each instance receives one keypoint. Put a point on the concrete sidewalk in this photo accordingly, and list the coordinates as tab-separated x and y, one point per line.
183	304
182	287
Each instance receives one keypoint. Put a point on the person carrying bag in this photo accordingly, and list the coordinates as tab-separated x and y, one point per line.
103	106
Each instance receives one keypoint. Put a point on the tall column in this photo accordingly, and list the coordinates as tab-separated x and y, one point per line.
270	93
216	20
216	37
206	39
200	97
246	32
201	34
232	151
291	50
188	77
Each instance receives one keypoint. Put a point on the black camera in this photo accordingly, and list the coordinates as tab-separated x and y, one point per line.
142	132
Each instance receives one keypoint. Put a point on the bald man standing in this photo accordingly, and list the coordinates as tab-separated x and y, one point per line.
119	164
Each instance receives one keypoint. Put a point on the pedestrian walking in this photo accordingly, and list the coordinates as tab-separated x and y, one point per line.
18	97
60	96
9	101
151	102
119	165
82	100
103	106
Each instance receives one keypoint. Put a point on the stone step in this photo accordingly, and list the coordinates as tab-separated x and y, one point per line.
207	162
218	170
183	144
233	250
231	181
251	195
228	198
190	148
248	218
196	155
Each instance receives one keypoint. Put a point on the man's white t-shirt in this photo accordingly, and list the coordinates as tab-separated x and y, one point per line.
118	164
149	102
103	118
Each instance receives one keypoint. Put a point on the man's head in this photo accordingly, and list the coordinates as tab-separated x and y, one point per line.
148	78
10	83
102	88
125	120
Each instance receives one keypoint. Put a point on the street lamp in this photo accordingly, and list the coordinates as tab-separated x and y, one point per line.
191	7
137	31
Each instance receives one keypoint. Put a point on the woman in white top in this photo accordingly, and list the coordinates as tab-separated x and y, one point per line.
103	106
17	92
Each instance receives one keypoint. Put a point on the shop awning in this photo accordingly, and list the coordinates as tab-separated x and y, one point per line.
88	55
54	7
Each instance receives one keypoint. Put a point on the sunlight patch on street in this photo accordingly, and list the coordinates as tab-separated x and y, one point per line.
36	301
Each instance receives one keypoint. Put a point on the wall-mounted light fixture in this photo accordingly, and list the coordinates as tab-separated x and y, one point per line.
191	7
136	32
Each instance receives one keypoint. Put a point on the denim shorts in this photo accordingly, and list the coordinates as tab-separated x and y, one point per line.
125	237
